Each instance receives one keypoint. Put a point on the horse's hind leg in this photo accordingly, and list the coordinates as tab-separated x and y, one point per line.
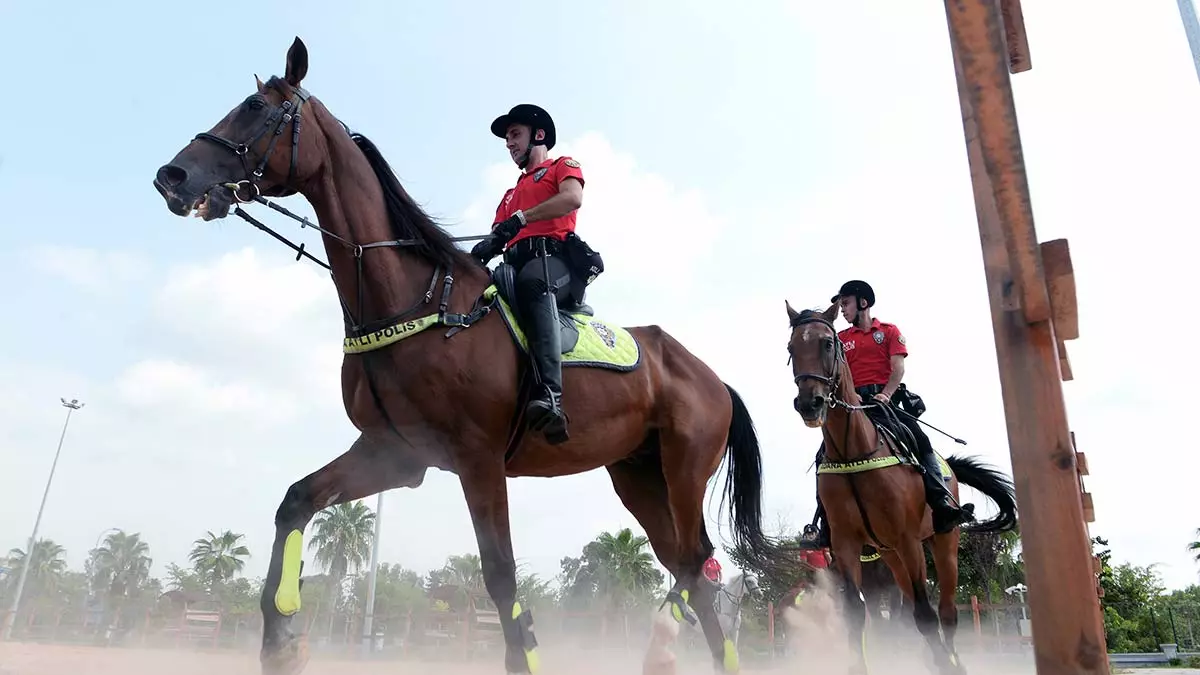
361	471
687	464
945	561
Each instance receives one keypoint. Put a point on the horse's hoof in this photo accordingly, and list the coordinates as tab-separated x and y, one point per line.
953	666
289	659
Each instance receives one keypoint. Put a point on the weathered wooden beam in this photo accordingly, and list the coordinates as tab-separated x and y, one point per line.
1014	36
1064	363
1089	509
976	28
1060	284
1068	632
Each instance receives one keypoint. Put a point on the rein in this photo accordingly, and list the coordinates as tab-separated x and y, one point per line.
289	113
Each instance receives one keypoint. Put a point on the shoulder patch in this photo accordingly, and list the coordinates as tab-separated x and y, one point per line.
571	163
900	339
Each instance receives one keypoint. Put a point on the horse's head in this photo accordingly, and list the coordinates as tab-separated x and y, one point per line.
750	585
816	355
242	156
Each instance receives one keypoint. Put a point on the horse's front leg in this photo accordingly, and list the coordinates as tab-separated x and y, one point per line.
486	493
370	466
846	551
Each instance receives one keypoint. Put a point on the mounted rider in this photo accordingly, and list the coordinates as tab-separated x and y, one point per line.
712	570
875	352
535	229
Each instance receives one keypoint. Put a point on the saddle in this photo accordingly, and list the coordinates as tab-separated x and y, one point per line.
505	278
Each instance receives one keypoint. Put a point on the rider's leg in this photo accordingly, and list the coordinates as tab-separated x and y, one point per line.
539	305
945	514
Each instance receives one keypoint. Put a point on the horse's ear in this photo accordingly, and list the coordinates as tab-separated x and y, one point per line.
297	63
259	83
831	313
792	314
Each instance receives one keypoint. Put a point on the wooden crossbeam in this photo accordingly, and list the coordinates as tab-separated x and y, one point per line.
1014	36
1060	284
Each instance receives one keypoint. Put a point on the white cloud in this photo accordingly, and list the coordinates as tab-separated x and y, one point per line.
100	272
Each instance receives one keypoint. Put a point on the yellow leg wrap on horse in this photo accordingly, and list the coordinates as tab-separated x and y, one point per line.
675	612
531	655
731	657
866	666
287	596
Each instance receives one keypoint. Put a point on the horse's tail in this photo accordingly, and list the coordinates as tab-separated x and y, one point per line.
995	485
744	484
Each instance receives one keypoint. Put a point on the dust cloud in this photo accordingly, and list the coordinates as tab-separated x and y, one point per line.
813	640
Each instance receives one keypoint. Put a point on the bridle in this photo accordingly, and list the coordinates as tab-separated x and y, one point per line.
832	381
289	113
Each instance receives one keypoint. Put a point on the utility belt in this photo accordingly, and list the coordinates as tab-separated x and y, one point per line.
903	398
585	264
532	247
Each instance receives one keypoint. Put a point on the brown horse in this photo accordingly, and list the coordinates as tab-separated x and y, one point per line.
436	385
874	495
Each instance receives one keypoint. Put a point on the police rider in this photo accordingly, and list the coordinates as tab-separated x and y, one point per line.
875	352
532	222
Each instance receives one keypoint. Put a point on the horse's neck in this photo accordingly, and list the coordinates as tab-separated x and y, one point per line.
849	434
349	202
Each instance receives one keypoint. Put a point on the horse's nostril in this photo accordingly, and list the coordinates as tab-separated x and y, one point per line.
171	175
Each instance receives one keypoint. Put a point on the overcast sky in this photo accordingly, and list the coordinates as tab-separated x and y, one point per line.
733	161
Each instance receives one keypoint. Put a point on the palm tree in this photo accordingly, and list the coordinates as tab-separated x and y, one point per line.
613	566
46	567
218	557
1195	545
342	537
121	564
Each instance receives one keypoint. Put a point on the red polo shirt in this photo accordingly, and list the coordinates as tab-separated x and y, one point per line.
534	187
869	352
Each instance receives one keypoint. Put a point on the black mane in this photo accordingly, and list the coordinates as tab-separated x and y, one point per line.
408	220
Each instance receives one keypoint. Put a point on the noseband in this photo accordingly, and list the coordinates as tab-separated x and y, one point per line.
283	115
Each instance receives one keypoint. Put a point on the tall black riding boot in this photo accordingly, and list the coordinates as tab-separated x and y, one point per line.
544	413
946	516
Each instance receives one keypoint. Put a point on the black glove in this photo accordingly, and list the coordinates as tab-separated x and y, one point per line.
488	248
508	228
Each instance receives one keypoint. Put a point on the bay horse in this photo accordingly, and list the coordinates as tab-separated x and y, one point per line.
873	495
437	385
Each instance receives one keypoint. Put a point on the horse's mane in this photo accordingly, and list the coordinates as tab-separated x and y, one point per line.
804	315
409	221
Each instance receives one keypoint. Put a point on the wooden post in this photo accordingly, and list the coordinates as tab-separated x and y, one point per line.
1068	637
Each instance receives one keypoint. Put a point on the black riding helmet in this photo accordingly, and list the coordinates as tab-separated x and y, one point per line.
859	289
533	116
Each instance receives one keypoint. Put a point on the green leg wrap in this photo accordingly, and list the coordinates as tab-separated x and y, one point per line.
731	657
525	625
287	595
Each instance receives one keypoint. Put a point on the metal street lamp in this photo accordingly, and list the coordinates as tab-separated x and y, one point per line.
11	617
369	614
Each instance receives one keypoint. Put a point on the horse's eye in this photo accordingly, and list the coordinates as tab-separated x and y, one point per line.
256	102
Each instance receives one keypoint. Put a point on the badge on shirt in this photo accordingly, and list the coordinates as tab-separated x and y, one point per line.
571	163
878	335
900	339
537	175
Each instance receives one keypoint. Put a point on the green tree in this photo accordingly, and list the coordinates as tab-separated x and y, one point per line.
120	565
614	569
47	566
1195	545
342	537
216	558
398	591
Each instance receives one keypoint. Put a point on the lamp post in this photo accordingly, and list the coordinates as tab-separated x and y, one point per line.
369	615
11	617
